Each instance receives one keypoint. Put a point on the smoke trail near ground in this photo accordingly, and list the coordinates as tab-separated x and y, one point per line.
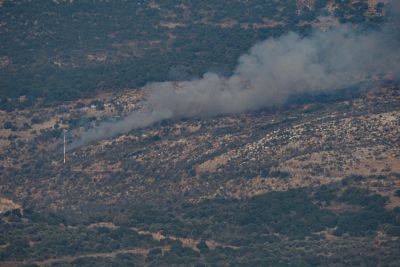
267	75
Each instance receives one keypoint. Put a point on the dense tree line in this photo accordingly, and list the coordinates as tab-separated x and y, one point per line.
46	46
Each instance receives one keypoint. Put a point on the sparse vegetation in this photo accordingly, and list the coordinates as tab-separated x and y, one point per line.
64	50
314	182
245	187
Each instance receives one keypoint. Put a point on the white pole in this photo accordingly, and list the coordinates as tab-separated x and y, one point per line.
64	146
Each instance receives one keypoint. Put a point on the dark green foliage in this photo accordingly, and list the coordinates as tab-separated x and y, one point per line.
63	51
52	238
397	193
256	225
367	220
361	223
280	174
326	97
325	194
393	230
125	260
361	197
202	246
9	125
180	255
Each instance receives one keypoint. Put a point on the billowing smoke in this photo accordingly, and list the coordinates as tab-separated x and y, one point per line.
277	68
267	75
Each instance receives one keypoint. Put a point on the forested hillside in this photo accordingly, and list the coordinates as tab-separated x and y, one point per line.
63	50
286	156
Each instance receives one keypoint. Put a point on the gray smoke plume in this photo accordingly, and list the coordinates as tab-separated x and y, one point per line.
267	75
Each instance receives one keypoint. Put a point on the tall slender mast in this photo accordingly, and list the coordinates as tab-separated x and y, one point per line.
64	145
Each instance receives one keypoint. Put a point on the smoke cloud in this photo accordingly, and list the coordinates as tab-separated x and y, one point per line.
267	75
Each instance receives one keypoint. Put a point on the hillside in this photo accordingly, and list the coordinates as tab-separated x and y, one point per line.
277	183
249	152
63	50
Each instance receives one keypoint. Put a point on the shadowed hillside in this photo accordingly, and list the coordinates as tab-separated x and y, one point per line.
62	50
286	155
314	183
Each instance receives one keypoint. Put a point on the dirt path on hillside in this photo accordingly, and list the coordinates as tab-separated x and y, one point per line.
69	259
186	242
